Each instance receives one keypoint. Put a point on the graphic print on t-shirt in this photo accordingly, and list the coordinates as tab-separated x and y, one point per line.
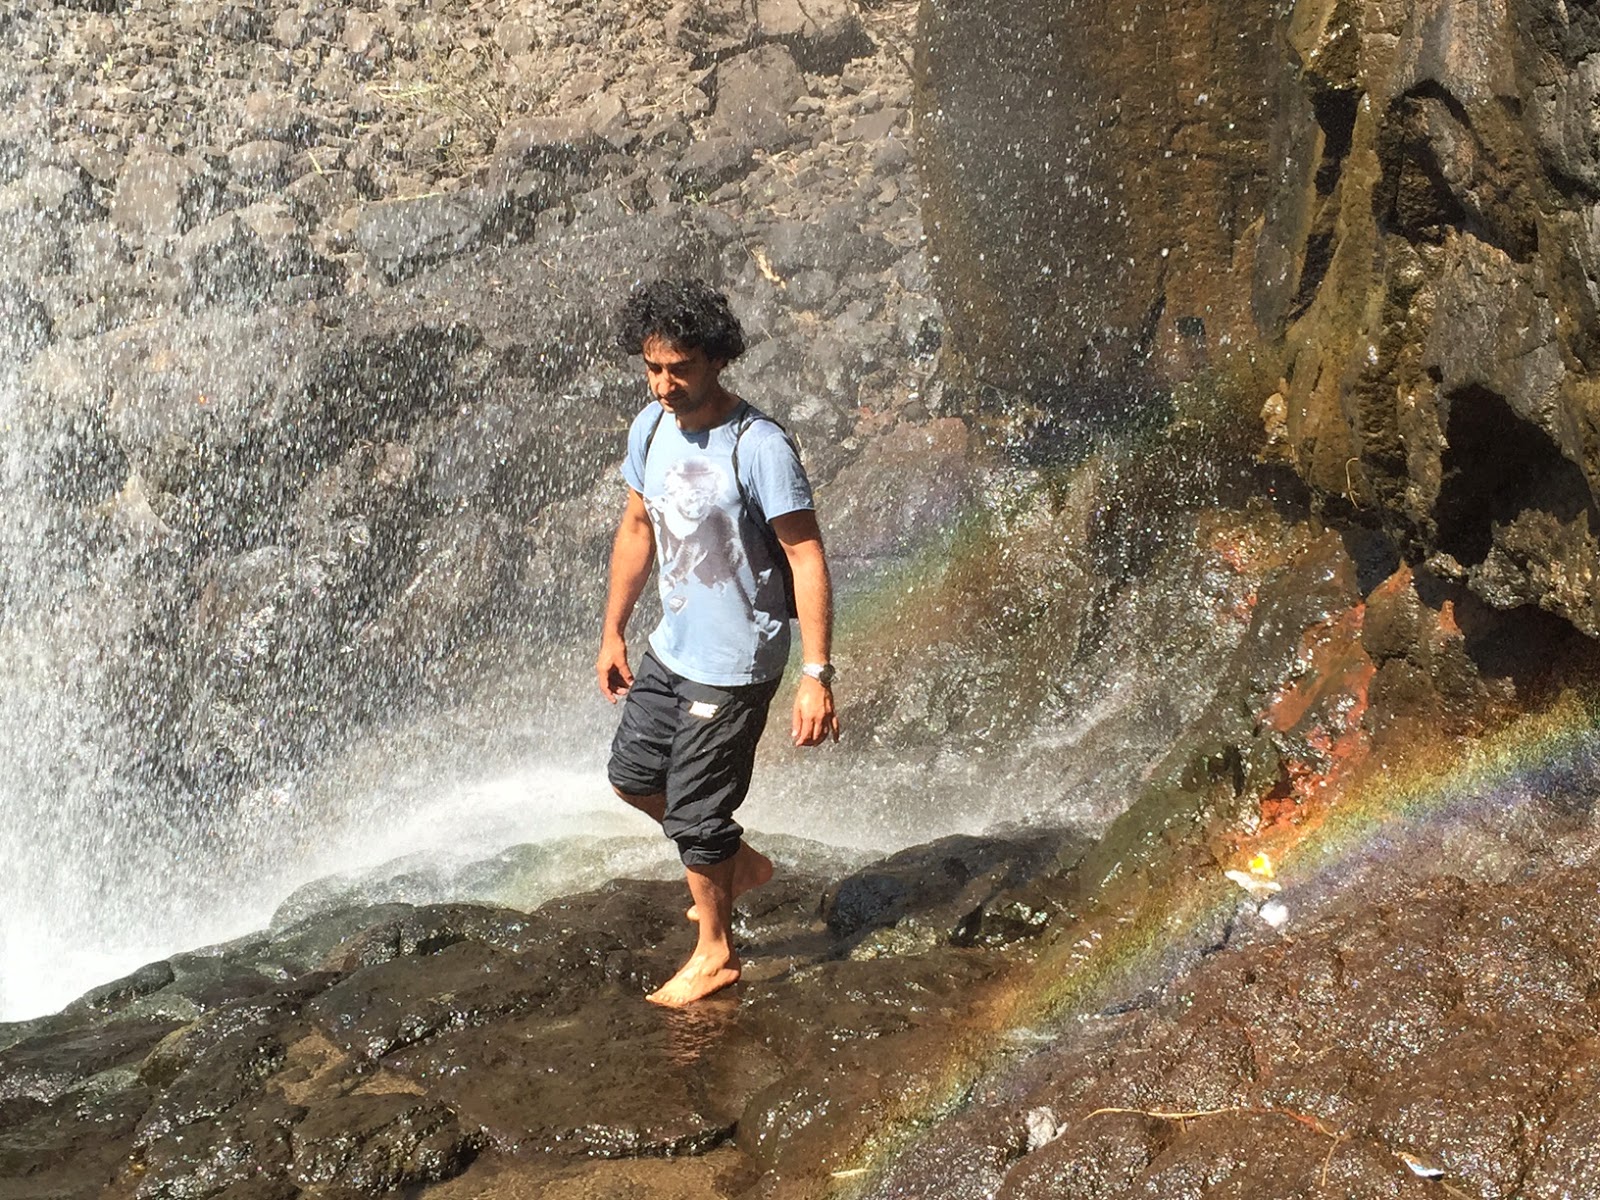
699	542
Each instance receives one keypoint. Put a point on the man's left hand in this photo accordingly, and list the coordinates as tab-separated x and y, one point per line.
814	719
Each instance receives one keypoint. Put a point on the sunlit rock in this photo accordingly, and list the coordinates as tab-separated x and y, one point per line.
399	237
159	194
752	97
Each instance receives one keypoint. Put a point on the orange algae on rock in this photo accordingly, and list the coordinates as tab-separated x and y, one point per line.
1317	718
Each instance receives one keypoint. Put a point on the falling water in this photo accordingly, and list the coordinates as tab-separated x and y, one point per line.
111	856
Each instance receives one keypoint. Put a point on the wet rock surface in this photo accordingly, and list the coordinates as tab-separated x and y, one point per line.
1428	1034
312	414
398	1047
381	1049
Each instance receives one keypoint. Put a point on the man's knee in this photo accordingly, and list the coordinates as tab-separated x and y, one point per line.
707	843
653	805
699	813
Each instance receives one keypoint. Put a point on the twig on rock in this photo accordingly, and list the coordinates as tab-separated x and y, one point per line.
1327	1160
1161	1115
1309	1122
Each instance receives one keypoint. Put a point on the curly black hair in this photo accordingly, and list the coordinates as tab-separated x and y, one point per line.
689	313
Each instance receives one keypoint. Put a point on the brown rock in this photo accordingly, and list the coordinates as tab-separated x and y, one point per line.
822	35
261	164
158	194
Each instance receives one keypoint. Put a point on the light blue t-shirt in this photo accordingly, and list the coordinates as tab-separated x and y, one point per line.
724	616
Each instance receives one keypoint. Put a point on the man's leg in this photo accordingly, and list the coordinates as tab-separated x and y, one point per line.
653	806
714	964
751	868
713	755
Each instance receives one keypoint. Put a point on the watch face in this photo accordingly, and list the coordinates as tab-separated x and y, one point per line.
823	674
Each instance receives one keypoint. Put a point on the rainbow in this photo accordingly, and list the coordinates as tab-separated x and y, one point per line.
1118	945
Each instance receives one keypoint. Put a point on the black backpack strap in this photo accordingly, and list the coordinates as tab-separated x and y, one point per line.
749	418
758	516
649	440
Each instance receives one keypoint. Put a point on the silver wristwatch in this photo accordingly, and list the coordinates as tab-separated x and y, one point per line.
823	673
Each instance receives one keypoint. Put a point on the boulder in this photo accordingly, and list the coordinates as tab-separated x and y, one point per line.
14	144
835	243
461	568
753	95
821	35
261	164
401	237
59	193
187	395
933	893
322	195
710	163
1478	251
48	1066
271	115
159	195
224	259
710	30
281	235
554	143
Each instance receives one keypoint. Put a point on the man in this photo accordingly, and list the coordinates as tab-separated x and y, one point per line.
718	498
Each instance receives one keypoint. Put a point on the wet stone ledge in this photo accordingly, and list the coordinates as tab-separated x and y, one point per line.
373	1051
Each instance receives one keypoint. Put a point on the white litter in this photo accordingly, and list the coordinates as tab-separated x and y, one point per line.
1042	1128
1418	1167
1254	884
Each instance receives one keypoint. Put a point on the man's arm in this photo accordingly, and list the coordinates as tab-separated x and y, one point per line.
632	553
814	718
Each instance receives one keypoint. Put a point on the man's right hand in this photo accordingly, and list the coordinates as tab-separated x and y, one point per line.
612	669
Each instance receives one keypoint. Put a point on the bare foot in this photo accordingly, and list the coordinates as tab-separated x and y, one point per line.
697	979
751	869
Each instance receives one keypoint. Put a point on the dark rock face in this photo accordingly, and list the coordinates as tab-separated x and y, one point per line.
1415	248
1447	369
1093	177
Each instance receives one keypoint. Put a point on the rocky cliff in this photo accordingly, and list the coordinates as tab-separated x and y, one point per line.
1392	207
310	421
310	403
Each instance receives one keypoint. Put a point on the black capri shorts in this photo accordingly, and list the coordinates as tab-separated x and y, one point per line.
697	744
